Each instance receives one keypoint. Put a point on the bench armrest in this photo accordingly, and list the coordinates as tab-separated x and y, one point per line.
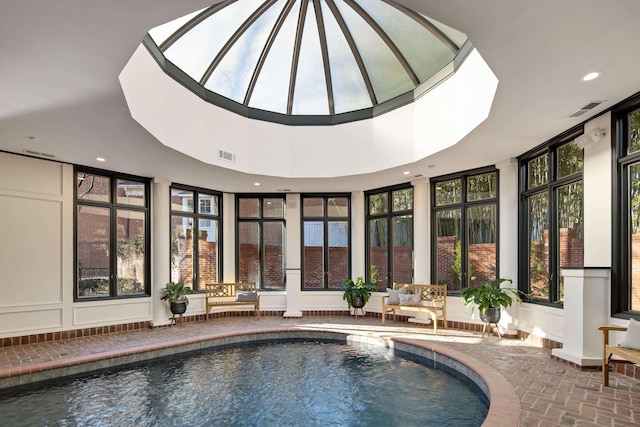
608	328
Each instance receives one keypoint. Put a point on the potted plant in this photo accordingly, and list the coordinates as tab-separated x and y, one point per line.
357	292
489	299
176	294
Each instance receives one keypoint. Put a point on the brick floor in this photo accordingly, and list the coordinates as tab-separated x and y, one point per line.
550	392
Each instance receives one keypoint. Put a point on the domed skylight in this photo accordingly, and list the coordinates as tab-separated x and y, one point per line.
306	61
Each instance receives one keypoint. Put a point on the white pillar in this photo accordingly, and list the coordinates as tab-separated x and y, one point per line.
229	238
508	255
293	257
585	300
160	241
358	214
421	234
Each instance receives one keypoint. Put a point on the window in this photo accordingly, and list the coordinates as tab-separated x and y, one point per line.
390	236
260	237
625	296
464	226
326	250
111	235
195	261
551	218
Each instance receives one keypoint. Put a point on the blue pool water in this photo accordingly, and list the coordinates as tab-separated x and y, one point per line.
278	384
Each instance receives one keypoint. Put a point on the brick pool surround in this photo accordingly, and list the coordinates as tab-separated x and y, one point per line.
504	408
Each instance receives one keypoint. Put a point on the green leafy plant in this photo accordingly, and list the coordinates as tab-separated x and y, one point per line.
358	288
176	292
490	295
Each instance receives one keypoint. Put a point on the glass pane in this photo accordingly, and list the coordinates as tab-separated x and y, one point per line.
482	187
634	237
194	51
481	238
273	208
449	250
338	207
402	257
310	95
208	253
273	255
162	32
272	87
448	192
412	39
379	250
93	187
249	208
456	36
388	77
313	206
313	255
538	171
349	90
93	228
570	158
249	252
131	249
207	204
634	132
402	201
182	250
130	193
181	200
570	243
338	253
231	77
378	204
537	207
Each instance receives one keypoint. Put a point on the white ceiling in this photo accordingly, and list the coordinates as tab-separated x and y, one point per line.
61	61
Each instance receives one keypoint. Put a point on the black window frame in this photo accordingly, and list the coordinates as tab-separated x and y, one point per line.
325	219
113	207
196	216
463	205
261	220
621	285
553	183
389	215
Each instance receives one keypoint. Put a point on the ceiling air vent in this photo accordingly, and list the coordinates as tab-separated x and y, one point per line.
36	153
590	106
225	155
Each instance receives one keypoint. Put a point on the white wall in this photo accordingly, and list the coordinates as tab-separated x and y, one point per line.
36	250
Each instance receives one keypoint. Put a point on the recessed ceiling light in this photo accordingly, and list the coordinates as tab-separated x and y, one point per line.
101	159
256	184
591	76
406	172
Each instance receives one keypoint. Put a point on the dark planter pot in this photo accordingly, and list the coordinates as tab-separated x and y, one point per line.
358	302
491	315
178	307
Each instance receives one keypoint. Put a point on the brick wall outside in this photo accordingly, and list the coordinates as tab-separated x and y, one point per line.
482	258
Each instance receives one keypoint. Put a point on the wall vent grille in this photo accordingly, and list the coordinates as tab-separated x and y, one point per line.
225	155
590	106
37	153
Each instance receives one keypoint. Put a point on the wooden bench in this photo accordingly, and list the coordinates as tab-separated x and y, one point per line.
433	300
608	350
226	295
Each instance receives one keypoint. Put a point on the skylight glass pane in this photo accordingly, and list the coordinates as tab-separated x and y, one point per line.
160	33
231	77
194	51
388	77
411	38
349	90
310	95
456	36
272	87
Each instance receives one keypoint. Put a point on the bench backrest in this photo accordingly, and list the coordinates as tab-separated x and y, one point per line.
222	290
427	292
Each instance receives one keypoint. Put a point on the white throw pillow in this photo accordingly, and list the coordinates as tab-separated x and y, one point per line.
632	336
410	299
394	295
